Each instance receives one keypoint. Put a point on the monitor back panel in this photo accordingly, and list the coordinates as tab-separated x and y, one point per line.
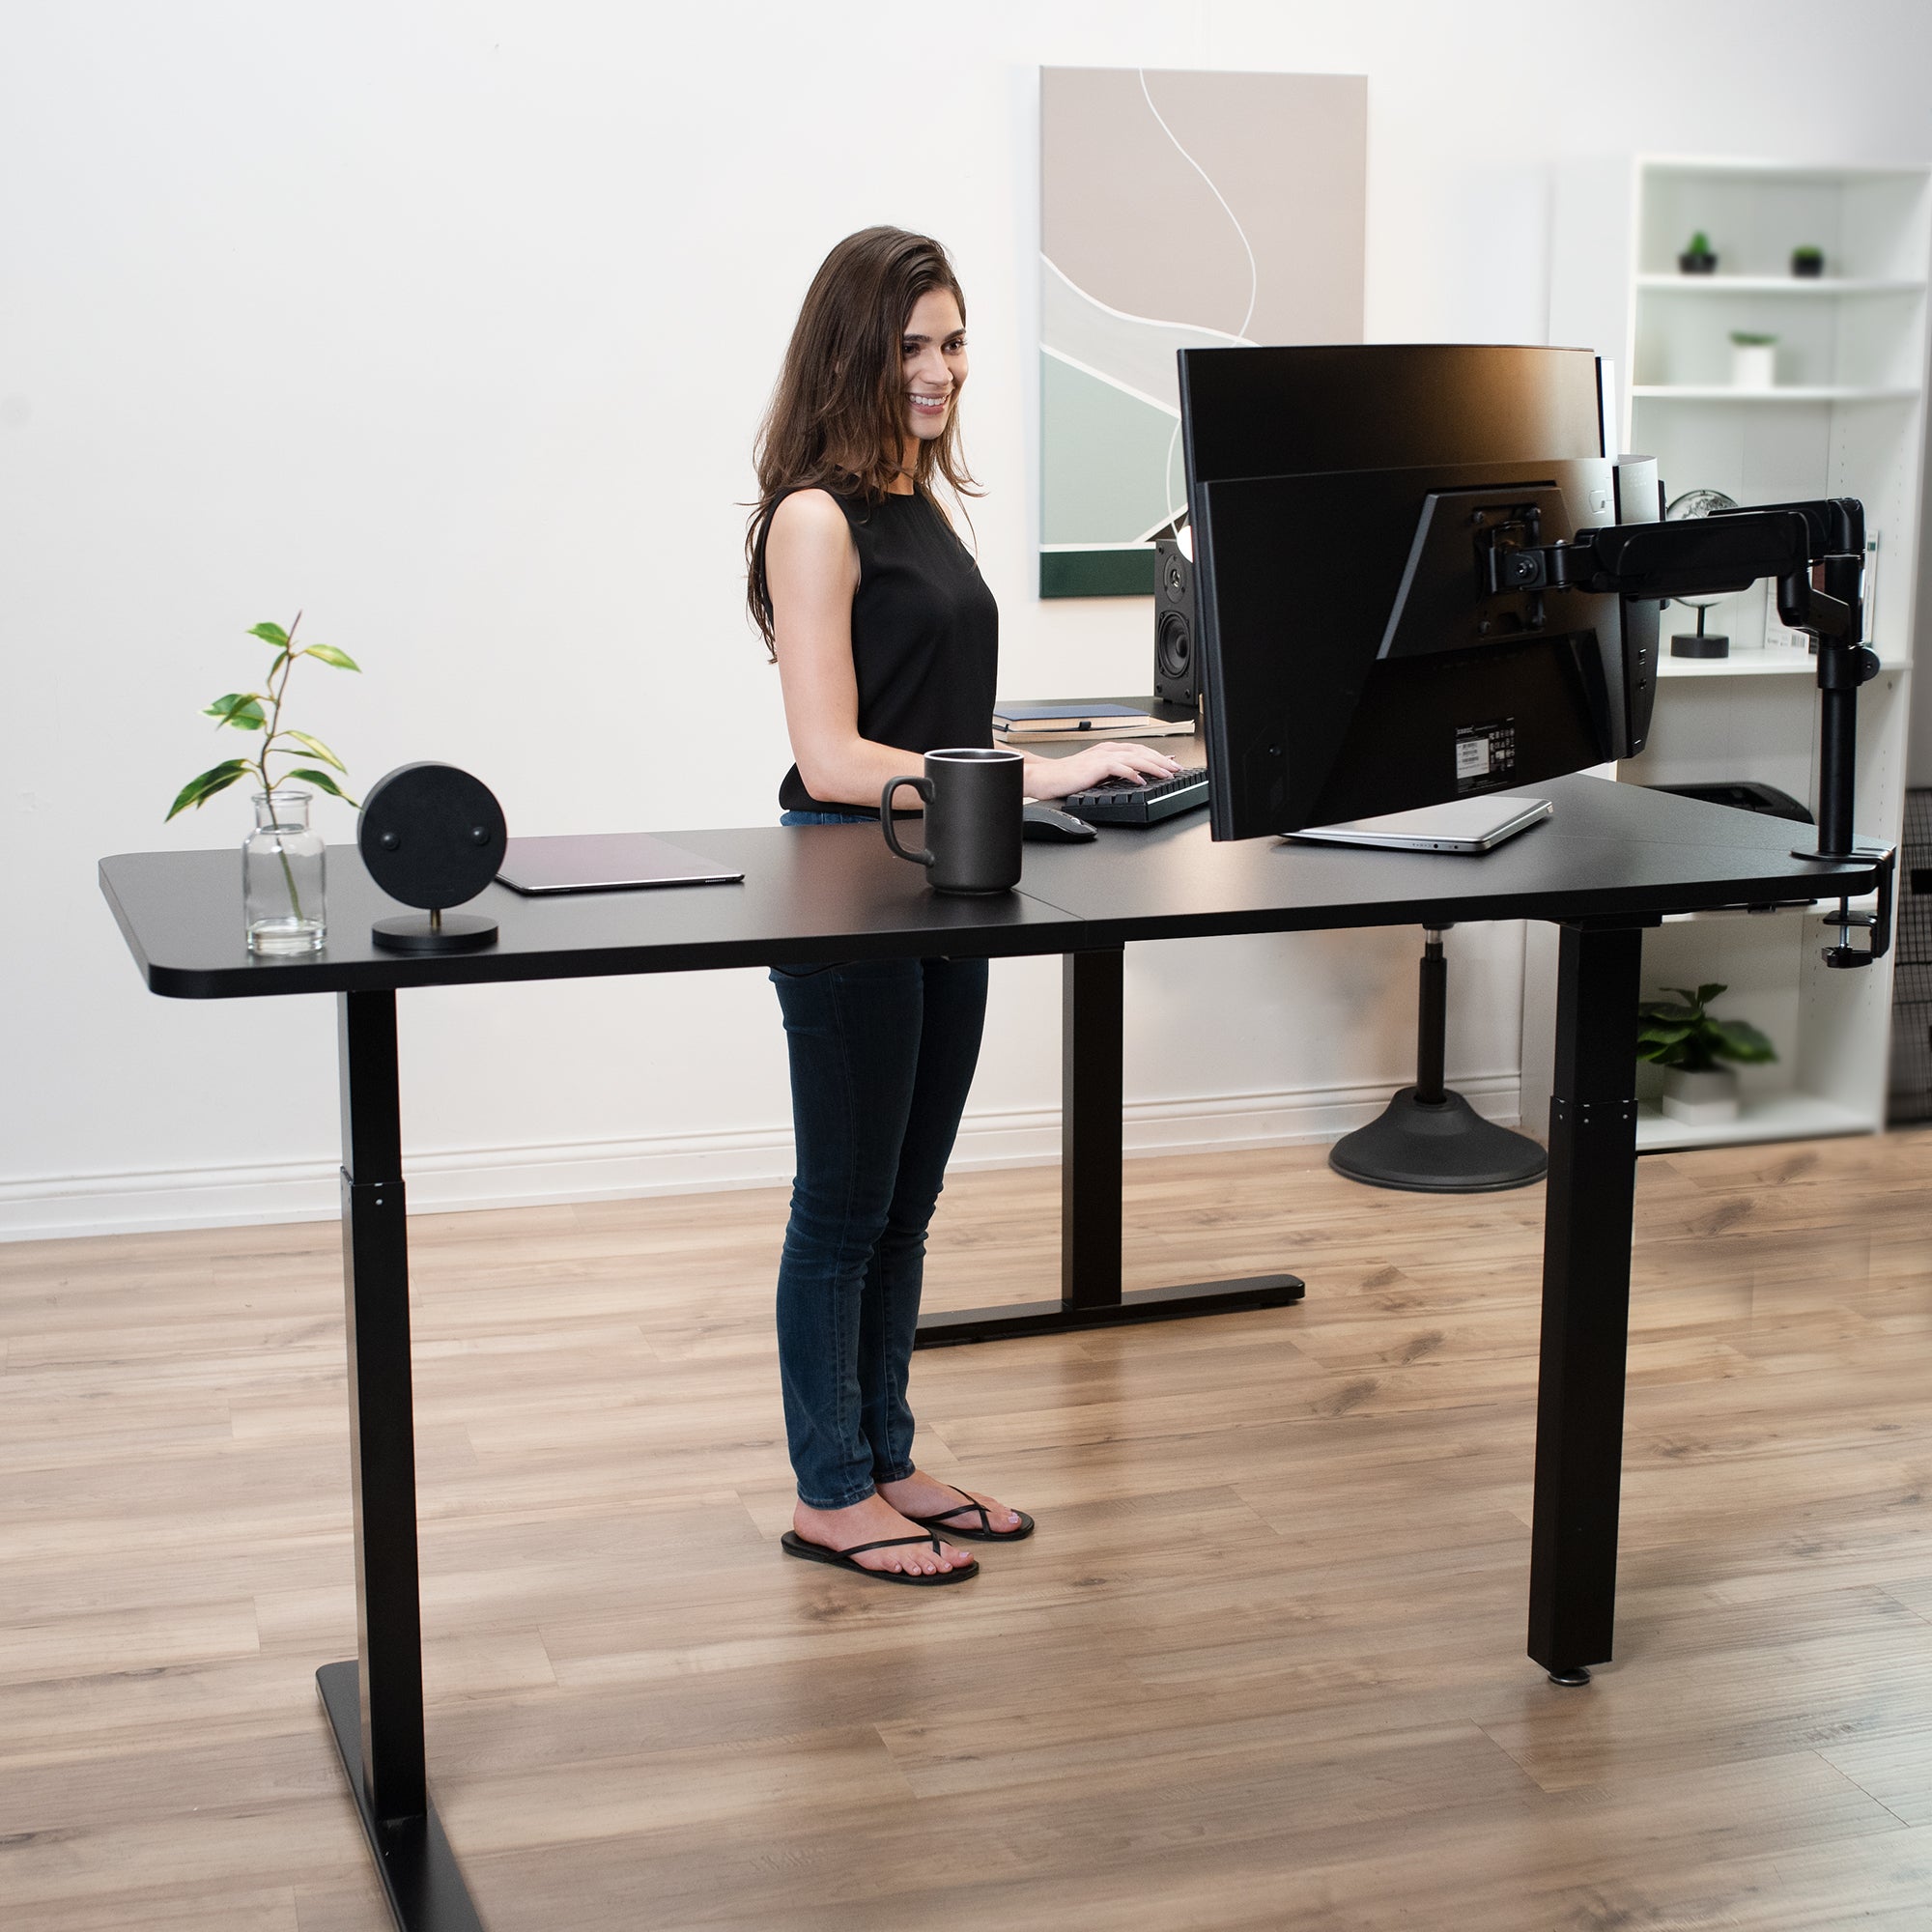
1311	717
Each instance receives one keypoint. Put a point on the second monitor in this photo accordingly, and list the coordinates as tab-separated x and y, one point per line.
1348	504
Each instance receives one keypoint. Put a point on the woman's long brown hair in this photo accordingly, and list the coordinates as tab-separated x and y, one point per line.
838	417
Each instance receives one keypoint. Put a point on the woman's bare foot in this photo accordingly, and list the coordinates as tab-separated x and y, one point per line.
919	1494
876	1520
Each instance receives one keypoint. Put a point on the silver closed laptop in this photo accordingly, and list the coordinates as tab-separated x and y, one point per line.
1462	825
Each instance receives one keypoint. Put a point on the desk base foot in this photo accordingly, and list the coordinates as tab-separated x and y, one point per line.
945	1330
420	1876
1570	1679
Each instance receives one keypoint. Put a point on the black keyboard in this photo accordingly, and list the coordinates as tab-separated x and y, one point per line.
1122	802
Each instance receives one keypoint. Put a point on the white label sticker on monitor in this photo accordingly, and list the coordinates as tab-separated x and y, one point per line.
1485	755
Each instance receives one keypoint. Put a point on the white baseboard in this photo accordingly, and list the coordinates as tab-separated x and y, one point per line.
522	1177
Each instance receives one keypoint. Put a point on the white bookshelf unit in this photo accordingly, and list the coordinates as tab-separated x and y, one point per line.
1846	418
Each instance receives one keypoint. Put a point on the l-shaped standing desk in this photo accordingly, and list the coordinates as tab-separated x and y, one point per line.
1612	860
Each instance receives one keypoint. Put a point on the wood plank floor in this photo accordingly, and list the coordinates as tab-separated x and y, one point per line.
1262	1667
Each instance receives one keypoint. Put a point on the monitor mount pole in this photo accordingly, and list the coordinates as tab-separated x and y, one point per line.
1832	610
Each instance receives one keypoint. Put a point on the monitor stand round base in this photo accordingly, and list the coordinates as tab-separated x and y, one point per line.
1440	1147
434	933
1427	1140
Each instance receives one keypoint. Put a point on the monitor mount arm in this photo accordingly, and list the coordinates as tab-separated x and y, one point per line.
1814	554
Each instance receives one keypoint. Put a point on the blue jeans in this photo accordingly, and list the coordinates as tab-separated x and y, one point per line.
882	1056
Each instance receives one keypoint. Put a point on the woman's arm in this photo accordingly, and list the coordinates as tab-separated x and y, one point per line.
811	573
1056	777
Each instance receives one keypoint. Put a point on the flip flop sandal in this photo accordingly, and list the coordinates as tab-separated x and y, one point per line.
841	1559
985	1533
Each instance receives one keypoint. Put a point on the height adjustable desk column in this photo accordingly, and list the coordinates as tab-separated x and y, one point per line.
1093	1093
1091	1097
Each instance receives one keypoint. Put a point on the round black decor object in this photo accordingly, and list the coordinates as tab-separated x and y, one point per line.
431	836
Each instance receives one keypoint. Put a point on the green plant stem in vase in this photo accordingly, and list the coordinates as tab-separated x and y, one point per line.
301	927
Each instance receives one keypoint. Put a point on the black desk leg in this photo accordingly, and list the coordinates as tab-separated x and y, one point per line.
376	1704
1586	1254
1090	1093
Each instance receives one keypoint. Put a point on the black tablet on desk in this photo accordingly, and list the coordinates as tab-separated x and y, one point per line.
604	862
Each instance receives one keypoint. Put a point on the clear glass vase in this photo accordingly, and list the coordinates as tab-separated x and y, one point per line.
282	865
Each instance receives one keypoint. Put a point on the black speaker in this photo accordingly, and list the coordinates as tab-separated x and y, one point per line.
431	836
1176	663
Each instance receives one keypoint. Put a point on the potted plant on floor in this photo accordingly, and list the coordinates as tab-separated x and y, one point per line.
1699	1053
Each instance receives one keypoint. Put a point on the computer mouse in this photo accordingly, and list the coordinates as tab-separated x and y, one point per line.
1049	822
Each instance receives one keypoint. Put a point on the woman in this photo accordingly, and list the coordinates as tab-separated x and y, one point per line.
886	639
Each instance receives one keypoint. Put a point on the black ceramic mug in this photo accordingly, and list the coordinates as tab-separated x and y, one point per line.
973	818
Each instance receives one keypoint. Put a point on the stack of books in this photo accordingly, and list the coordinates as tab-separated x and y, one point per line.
1066	720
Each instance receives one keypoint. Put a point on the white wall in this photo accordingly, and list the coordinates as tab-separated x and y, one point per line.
450	324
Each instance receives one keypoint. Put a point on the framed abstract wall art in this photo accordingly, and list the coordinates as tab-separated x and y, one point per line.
1178	210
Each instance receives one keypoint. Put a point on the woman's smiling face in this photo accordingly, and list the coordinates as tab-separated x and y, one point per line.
933	362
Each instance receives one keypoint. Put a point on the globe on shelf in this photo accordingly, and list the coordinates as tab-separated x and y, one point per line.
1698	644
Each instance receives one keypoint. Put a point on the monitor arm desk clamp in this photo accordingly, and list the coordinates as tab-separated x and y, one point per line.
1814	553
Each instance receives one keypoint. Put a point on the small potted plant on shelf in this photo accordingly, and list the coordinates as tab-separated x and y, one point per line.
1699	1055
282	859
1807	261
1697	259
1753	359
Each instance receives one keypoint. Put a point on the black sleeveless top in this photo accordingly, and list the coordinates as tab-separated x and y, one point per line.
925	635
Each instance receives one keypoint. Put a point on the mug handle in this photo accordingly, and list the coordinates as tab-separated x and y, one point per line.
924	788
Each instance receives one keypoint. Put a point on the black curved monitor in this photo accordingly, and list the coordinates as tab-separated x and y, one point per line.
1342	500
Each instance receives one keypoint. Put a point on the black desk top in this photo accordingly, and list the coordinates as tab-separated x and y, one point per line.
814	893
1606	850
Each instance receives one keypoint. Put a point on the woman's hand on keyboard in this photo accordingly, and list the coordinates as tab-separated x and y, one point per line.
1082	769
